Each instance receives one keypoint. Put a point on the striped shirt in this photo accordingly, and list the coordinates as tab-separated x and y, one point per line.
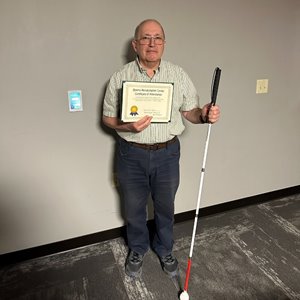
185	98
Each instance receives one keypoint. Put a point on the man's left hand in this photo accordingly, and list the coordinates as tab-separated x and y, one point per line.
210	113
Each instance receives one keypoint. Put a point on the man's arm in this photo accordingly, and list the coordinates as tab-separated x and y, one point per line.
194	116
206	114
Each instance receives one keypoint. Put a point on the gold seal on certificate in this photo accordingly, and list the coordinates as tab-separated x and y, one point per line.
146	98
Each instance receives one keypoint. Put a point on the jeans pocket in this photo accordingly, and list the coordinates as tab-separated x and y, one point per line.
174	149
123	147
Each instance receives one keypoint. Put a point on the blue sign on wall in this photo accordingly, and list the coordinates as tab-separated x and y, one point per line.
75	100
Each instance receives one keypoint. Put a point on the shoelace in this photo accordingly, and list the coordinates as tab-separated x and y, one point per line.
169	259
135	257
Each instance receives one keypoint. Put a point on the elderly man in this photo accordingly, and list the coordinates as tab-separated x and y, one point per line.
148	152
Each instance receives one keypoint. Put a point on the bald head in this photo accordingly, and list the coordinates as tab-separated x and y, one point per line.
141	25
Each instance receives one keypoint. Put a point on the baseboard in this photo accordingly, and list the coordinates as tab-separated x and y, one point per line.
252	200
31	253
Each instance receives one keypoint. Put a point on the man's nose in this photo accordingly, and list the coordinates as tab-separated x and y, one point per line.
152	42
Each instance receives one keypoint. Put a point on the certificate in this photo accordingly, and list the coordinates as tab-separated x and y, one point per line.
146	98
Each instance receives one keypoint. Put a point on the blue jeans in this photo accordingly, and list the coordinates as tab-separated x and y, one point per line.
143	173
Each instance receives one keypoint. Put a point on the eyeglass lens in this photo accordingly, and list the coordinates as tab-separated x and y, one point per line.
147	40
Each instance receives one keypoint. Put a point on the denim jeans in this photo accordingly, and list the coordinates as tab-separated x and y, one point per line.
142	173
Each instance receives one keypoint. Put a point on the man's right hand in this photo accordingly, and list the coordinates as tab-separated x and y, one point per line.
138	126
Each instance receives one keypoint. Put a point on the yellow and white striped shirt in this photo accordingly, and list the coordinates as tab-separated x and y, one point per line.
185	98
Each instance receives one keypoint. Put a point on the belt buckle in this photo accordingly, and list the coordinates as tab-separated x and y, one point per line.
154	147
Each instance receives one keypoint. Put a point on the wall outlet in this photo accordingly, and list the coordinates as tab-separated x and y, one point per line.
262	86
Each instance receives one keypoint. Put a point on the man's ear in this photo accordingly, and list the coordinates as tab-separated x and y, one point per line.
133	43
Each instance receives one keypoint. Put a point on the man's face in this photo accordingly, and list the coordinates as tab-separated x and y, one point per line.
149	44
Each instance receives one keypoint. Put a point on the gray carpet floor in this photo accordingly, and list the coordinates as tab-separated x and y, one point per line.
247	253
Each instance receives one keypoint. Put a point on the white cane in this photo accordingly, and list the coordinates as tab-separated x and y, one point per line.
215	85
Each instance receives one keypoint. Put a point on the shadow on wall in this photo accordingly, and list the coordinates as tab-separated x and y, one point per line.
9	219
127	56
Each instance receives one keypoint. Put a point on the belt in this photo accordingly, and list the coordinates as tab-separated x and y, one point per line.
154	147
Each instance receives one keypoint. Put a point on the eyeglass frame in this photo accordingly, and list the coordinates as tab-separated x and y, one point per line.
150	38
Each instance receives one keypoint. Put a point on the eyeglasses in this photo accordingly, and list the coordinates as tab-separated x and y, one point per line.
146	40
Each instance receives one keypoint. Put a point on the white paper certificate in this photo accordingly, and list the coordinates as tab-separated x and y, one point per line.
146	98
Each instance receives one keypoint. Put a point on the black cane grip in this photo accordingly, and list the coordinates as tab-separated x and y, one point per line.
215	85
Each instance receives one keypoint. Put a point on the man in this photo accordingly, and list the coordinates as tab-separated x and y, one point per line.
148	153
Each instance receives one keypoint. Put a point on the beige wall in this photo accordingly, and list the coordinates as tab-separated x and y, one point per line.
56	166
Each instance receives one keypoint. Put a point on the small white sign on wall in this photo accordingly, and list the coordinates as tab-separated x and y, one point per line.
75	100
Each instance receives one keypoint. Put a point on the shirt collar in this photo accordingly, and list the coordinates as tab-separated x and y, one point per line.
142	70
